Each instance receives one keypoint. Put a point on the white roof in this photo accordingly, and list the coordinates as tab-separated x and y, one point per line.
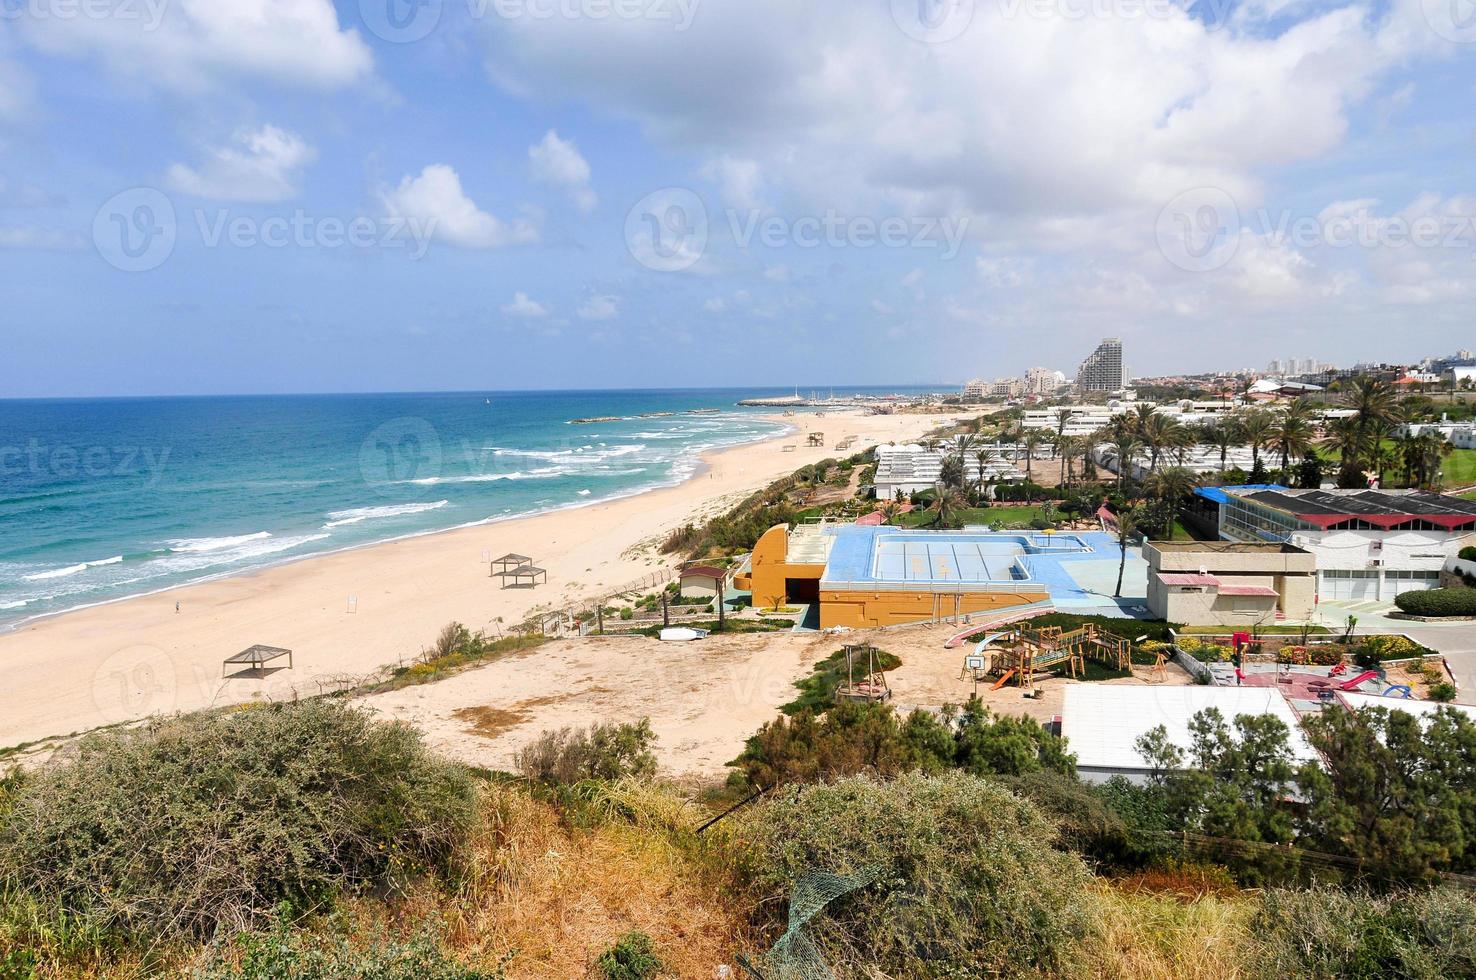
1103	722
1414	706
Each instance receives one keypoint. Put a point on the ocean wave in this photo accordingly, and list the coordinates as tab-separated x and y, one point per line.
542	473
71	569
255	547
15	605
189	545
356	515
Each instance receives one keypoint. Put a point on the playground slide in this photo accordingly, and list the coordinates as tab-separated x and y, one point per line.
1014	615
1353	682
1003	680
979	649
1399	687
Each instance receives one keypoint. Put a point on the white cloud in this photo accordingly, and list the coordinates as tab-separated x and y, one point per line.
739	181
913	278
599	308
715	304
436	198
778	273
32	237
259	165
558	162
882	308
523	306
188	45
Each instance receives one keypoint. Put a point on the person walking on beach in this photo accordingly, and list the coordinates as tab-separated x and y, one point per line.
176	607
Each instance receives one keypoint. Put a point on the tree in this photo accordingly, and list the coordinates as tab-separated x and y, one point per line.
1066	447
1127	529
1125	448
983	457
1222	434
1031	441
1170	487
1229	783
946	505
1255	430
1398	796
1292	433
951	472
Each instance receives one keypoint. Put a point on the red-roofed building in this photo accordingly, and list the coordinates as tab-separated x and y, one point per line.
1229	583
1369	544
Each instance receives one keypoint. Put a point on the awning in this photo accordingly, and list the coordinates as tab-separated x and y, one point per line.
1262	590
1184	579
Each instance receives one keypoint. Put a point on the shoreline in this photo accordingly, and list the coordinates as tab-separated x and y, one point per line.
348	613
702	465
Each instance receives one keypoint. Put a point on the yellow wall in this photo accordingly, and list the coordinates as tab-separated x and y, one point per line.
860	610
769	568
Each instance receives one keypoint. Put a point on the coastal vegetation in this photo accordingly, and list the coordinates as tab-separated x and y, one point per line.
308	840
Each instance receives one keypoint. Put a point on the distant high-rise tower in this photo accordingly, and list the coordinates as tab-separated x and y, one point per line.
1102	371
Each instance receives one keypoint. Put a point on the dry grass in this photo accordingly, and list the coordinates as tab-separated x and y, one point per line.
560	897
1154	936
490	722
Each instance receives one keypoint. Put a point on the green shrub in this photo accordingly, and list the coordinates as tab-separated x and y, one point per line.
1468	553
604	751
1444	691
288	953
204	820
969	883
1325	933
1438	602
632	958
1374	650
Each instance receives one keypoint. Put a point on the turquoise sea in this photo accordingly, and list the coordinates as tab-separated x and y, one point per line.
106	498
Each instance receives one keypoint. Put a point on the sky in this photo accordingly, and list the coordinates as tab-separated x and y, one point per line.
224	196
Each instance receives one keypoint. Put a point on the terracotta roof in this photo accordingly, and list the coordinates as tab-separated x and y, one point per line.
704	571
1247	590
1176	579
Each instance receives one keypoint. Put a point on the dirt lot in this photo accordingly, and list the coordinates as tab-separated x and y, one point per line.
703	698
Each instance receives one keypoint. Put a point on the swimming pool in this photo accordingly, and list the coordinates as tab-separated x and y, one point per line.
945	556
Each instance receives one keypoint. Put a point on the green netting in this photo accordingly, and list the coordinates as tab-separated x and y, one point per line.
795	956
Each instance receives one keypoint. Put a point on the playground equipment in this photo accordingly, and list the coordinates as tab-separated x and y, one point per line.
1399	687
1353	682
1003	618
872	687
1020	653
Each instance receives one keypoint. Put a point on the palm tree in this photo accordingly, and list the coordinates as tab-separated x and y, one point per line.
983	457
1223	434
1255	429
1125	447
946	505
1291	435
1170	487
1127	528
1032	440
1159	432
1375	408
1066	446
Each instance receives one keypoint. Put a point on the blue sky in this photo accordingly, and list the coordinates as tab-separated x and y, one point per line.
613	193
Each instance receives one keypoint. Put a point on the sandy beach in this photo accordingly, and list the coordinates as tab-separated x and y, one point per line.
126	660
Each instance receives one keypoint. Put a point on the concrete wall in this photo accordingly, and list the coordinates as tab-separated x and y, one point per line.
1291	573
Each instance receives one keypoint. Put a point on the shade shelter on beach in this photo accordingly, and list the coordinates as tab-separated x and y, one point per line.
523	576
256	658
508	562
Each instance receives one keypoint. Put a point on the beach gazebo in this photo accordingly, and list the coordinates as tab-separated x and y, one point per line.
256	658
509	561
524	576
